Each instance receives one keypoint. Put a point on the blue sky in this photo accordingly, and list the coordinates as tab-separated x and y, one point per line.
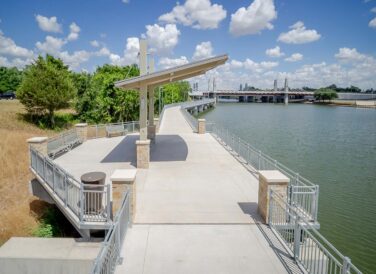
313	43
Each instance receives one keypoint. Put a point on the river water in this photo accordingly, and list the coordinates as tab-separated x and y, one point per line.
334	147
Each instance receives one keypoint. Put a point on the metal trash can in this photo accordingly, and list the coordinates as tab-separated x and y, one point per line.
93	192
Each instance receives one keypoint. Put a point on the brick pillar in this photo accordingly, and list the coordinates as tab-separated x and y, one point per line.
201	126
270	179
143	153
39	143
82	131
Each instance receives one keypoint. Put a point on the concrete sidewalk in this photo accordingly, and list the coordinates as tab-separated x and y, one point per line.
197	213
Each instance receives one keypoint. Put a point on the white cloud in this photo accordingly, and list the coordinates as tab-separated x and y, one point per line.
373	10
130	54
75	59
125	1
299	34
15	62
48	24
259	67
372	23
201	14
9	47
94	43
51	45
166	62
236	64
274	52
162	40
349	55
294	57
253	19
203	50
74	31
103	52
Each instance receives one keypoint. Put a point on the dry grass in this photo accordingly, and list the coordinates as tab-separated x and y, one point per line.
18	209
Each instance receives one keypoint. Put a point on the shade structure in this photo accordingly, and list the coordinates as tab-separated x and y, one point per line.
172	74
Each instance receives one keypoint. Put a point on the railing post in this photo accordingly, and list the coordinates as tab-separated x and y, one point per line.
315	203
108	202
297	235
65	190
297	179
259	160
346	265
82	202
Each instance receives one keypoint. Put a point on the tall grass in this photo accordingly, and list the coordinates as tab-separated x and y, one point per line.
19	211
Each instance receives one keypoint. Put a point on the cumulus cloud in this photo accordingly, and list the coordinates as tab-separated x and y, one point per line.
162	40
130	54
74	31
203	50
350	55
166	62
294	57
103	52
259	67
372	23
200	14
254	19
15	62
48	24
75	59
10	48
94	43
274	52
51	45
299	34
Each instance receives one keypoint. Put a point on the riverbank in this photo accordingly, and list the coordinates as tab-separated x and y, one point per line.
348	103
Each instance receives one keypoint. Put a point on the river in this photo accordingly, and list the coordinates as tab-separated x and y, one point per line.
334	147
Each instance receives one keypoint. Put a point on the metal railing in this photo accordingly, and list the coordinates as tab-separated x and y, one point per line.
89	203
109	254
63	142
192	121
99	131
302	193
311	250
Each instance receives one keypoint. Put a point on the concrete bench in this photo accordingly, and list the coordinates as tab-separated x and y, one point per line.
115	129
123	180
63	143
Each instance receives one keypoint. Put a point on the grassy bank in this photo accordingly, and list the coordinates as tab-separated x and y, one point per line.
20	213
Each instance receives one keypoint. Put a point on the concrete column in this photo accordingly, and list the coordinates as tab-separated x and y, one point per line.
201	126
143	153
286	92
151	126
143	112
39	143
270	179
81	129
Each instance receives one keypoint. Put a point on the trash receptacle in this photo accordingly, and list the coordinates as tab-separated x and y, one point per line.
93	192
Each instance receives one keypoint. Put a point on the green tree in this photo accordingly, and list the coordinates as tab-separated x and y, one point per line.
324	94
10	79
46	87
102	102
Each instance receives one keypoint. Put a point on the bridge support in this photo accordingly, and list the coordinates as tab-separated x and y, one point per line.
270	180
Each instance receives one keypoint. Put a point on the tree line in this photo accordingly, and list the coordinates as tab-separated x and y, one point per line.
47	85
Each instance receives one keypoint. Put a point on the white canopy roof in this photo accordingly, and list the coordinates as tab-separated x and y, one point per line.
173	74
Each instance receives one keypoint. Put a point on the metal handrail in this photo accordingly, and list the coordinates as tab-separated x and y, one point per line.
109	254
313	252
89	203
99	130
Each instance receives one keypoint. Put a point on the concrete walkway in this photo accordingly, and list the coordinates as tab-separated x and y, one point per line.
197	213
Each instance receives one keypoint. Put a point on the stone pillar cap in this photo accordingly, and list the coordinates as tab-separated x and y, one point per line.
123	175
273	176
36	140
201	120
143	142
81	125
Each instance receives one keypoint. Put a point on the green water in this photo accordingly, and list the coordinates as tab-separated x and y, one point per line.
334	147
